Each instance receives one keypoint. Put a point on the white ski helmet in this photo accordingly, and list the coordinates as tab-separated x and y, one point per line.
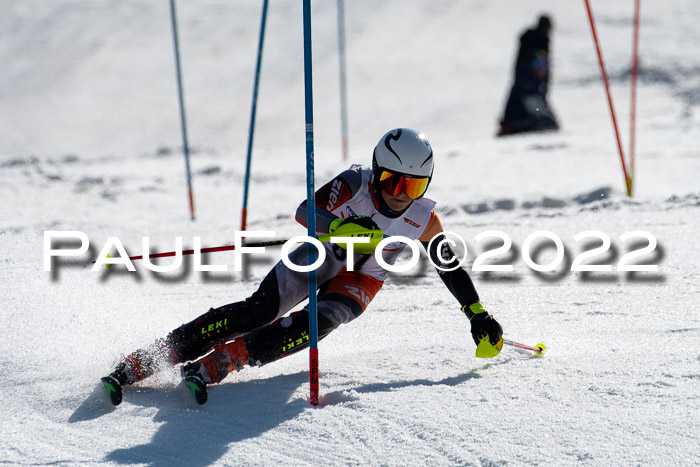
407	154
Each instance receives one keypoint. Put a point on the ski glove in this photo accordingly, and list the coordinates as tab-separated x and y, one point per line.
357	226
486	332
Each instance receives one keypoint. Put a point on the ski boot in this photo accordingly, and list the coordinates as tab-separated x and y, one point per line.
114	381
196	379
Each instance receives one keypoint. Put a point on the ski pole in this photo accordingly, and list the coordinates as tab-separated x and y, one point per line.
322	238
539	349
211	249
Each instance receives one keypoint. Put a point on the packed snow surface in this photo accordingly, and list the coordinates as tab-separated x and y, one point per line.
90	141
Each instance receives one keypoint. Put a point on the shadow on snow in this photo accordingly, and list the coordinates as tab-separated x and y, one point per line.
234	412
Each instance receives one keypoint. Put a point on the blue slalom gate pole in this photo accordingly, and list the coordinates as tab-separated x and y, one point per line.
311	203
181	101
343	80
251	131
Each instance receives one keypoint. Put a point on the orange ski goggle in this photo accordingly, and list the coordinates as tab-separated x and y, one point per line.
393	184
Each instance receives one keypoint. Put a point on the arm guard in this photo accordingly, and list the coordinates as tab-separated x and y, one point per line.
328	197
457	281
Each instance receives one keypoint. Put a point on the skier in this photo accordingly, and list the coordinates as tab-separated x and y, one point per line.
383	200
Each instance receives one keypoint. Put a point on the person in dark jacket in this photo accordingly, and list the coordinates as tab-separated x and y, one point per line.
527	108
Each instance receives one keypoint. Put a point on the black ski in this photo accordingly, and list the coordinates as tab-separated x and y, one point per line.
113	388
197	387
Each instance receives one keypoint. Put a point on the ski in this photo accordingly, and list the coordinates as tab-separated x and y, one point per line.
113	388
197	387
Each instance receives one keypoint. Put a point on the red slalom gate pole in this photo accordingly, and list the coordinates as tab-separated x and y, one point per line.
635	73
628	181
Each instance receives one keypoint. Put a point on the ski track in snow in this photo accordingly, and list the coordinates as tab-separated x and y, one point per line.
90	142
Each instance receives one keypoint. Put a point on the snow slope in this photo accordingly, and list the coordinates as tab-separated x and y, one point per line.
89	141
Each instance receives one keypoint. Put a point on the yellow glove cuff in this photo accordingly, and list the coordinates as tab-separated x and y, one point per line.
473	309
